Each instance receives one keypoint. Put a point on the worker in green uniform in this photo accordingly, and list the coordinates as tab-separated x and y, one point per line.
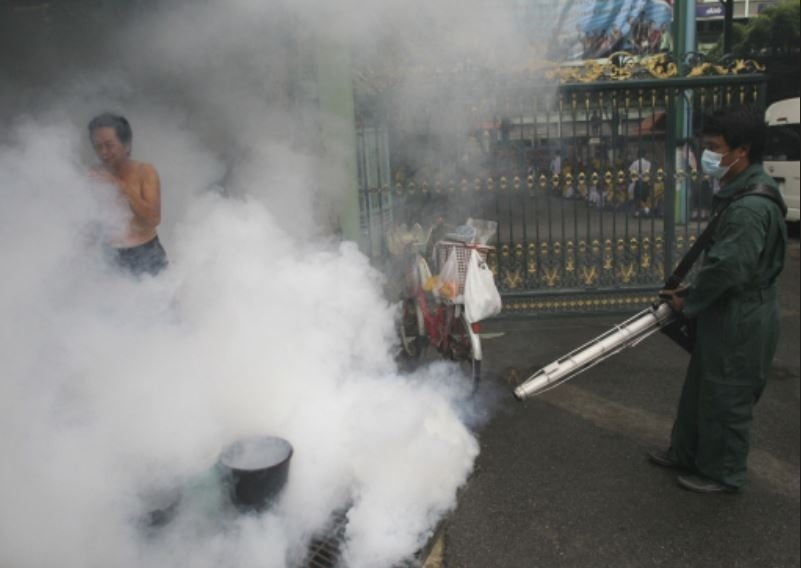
734	302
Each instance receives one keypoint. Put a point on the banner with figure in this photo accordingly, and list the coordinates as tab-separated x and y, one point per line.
593	29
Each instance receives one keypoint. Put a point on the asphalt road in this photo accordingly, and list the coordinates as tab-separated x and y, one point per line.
562	479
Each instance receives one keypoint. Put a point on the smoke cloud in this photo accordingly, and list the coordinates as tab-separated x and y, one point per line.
113	389
113	386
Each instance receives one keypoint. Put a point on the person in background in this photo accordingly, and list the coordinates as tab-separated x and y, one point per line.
595	124
638	189
138	249
556	162
734	303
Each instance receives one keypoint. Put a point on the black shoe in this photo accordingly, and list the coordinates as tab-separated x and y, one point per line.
703	485
663	458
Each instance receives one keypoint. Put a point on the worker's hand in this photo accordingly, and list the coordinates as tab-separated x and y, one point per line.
675	298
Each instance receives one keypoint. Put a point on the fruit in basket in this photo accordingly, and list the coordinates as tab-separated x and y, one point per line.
449	290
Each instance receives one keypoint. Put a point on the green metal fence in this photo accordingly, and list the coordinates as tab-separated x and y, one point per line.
595	191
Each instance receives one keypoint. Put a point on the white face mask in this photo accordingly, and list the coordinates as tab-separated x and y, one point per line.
710	163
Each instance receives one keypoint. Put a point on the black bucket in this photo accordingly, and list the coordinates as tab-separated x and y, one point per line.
255	469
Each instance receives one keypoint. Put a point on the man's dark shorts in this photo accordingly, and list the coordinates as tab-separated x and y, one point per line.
148	258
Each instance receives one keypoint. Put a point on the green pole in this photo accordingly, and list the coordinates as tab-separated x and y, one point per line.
678	127
684	34
338	131
728	20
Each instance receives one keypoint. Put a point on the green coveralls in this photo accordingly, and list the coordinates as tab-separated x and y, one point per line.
734	300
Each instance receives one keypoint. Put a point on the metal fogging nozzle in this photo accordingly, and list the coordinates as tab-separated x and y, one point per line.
537	382
626	334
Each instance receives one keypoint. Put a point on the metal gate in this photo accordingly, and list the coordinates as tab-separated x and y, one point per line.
594	184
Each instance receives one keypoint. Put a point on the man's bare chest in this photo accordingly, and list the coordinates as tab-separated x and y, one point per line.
130	185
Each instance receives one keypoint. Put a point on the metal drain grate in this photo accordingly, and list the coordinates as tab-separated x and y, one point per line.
325	550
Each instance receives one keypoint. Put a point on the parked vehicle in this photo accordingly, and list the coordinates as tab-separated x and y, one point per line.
783	151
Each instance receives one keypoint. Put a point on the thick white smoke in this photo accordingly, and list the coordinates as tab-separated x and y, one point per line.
112	388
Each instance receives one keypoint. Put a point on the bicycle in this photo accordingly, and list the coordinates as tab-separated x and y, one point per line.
433	315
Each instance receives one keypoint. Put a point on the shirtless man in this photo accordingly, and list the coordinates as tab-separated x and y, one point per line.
138	250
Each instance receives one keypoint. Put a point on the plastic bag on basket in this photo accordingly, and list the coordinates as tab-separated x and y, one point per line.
481	297
448	282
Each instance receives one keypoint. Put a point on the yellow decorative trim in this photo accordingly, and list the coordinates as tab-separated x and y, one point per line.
532	258
570	261
623	65
513	279
645	260
582	303
588	276
608	256
738	67
627	272
551	276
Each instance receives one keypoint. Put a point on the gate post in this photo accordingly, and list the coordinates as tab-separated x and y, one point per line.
337	130
679	128
684	20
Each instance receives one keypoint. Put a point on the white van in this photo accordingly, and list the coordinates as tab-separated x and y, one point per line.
783	150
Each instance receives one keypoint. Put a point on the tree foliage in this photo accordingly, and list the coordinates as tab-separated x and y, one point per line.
776	31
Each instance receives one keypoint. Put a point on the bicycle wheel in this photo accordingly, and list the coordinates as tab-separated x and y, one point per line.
411	341
465	347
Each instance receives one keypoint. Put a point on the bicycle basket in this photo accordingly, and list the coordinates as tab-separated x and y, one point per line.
443	249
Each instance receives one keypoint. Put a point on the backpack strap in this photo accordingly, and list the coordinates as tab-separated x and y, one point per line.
686	263
763	190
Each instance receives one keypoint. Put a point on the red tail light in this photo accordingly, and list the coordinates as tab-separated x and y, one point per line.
476	327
